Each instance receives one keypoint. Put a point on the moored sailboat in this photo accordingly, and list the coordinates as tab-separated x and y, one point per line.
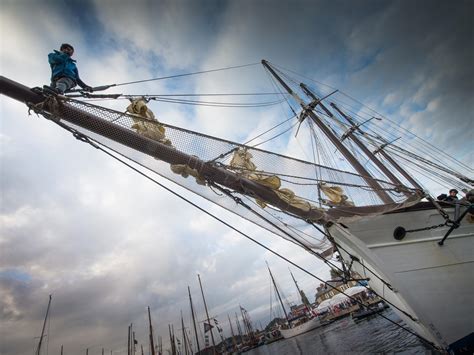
295	325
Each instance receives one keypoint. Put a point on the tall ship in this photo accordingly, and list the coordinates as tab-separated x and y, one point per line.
361	192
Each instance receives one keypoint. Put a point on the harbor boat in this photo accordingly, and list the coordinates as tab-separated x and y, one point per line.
300	328
295	326
362	313
365	197
272	335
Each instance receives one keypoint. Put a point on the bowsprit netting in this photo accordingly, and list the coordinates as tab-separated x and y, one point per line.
278	188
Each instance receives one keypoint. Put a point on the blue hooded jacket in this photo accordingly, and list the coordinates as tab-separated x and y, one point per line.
63	65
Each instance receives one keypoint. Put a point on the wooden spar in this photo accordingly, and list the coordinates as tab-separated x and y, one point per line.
38	350
194	320
232	332
367	152
356	140
399	168
156	149
344	151
128	341
184	335
239	329
171	340
278	294
133	343
247	332
174	340
152	345
207	315
300	294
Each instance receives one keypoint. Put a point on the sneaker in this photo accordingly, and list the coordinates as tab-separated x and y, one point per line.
50	90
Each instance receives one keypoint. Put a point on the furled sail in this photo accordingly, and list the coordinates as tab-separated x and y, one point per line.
277	187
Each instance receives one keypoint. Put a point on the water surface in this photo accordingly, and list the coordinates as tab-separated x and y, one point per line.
368	336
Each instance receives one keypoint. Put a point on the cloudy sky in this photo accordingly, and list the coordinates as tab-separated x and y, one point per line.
107	243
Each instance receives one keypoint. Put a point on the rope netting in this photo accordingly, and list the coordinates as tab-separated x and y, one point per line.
276	187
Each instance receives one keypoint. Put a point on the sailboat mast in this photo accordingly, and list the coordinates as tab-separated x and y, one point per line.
245	323
207	314
398	167
356	140
128	341
344	151
38	350
367	152
296	284
194	320
299	292
278	294
232	332
184	335
152	345
238	326
173	350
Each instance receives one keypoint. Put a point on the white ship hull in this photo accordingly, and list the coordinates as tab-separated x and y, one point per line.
432	283
301	328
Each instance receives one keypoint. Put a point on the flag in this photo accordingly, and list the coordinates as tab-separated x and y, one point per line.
207	327
219	329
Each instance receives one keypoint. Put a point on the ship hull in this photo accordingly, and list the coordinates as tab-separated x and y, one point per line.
430	282
311	324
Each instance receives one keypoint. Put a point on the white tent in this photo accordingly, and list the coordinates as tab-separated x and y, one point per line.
339	298
355	290
324	304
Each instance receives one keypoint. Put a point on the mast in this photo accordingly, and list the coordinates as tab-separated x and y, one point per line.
134	348
366	151
38	350
194	320
396	166
176	350
308	110
173	351
184	335
232	332
246	328
152	345
278	293
207	315
300	292
239	329
128	341
354	138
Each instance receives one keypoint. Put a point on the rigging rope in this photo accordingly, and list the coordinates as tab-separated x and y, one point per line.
186	74
100	146
427	147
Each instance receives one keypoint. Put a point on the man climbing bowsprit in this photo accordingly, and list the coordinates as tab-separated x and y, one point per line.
64	73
